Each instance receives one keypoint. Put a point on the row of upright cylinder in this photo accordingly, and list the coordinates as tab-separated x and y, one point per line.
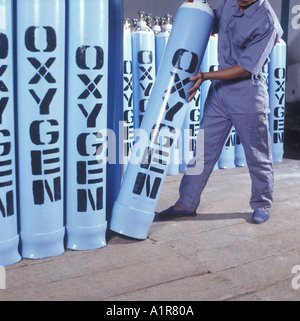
144	45
53	126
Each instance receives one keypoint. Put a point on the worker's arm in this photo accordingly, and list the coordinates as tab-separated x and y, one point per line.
236	72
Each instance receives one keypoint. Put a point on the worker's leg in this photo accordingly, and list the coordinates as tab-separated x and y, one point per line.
217	127
253	131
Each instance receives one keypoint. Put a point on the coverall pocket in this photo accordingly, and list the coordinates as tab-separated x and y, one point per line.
259	135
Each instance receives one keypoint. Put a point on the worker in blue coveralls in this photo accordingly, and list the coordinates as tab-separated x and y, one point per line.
248	31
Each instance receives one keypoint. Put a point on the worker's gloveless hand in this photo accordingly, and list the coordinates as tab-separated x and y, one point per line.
198	79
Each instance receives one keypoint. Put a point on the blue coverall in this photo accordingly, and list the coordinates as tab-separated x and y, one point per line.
246	38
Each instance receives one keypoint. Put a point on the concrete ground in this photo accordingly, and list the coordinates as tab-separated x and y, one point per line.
217	255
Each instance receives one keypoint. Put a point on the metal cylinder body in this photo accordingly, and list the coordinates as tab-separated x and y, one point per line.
86	116
41	109
226	160
9	237
277	85
128	96
143	68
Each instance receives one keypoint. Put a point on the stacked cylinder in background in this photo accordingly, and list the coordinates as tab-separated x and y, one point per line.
233	152
54	74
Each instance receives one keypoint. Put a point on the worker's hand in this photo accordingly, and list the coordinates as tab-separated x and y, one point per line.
198	79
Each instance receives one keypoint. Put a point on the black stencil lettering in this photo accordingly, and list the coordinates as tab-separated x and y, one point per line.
84	195
5	148
42	71
3	104
179	85
280	73
30	39
279	112
35	132
280	85
141	179
145	57
127	67
177	60
278	137
171	112
37	161
81	57
143	105
129	99
91	86
44	104
280	98
7	210
40	186
147	90
3	46
128	83
146	73
3	87
92	117
81	144
230	141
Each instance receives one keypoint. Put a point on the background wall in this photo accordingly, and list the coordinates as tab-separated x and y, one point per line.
288	12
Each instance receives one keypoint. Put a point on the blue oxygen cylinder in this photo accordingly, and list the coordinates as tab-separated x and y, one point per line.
156	25
143	67
277	84
265	72
9	237
86	116
41	108
239	153
162	38
156	29
128	96
133	211
210	63
226	160
115	115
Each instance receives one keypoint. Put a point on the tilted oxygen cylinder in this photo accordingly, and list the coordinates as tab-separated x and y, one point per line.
127	96
134	208
162	38
143	67
277	84
86	116
9	237
41	108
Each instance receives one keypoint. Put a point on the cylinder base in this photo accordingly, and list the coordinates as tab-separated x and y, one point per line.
39	246
9	253
86	238
130	221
